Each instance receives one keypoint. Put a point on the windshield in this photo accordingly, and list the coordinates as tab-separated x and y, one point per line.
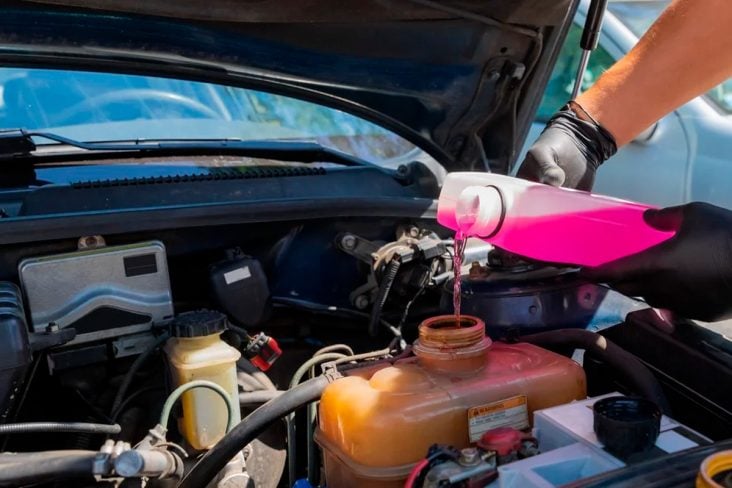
638	15
89	106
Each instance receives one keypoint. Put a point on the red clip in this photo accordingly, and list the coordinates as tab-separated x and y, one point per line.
263	351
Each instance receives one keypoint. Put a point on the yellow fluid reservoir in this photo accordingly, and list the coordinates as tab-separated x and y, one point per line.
373	427
196	352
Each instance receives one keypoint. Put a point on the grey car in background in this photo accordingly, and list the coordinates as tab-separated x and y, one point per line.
686	156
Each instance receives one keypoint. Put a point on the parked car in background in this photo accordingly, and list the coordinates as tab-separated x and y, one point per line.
686	156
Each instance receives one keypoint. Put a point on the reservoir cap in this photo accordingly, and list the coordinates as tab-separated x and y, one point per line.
479	211
626	425
198	323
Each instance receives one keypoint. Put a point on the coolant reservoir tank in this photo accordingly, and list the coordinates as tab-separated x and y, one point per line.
196	352
374	426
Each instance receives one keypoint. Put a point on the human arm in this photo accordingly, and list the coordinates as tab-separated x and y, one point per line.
687	51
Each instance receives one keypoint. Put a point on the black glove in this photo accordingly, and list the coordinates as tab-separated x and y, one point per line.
689	274
569	150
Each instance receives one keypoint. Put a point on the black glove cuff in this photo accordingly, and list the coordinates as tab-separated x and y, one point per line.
595	142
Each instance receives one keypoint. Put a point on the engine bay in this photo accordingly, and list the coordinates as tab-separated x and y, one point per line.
327	354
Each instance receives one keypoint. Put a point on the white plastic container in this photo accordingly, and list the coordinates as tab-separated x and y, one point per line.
198	353
545	223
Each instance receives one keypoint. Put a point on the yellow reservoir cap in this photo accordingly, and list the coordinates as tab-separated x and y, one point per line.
713	466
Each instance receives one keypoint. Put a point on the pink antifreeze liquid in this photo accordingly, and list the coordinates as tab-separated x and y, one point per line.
457	264
545	223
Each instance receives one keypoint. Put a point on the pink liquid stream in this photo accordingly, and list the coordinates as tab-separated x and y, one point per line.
457	263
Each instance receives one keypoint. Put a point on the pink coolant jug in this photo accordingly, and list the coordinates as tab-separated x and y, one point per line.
545	223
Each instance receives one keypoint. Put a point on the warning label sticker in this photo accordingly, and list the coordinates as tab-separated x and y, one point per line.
511	412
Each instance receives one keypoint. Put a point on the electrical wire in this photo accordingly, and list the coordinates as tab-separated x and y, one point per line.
333	348
244	366
46	427
313	361
178	392
332	310
382	295
134	368
416	471
133	396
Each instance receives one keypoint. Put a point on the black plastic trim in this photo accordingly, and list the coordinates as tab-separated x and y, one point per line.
116	222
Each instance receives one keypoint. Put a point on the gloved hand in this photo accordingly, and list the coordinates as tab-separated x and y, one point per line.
569	150
689	274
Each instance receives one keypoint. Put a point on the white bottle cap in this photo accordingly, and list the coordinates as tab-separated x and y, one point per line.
479	210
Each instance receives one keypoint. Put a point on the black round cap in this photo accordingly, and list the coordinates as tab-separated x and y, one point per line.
198	323
626	425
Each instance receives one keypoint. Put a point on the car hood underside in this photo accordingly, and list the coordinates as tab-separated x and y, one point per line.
462	79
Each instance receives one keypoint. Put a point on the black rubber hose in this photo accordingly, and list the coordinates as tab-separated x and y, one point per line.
258	397
76	427
640	377
248	429
383	294
18	469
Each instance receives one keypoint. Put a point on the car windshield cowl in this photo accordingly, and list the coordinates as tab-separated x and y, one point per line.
18	144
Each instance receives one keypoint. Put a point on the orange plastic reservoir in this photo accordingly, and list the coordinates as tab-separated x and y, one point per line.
374	427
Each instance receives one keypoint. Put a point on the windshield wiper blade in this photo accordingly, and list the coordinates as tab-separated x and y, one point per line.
19	143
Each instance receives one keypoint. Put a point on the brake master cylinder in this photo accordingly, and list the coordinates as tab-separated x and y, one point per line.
374	426
196	352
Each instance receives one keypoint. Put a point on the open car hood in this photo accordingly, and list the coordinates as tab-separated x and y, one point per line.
459	78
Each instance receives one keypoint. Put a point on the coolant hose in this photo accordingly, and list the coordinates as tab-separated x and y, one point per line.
248	429
632	368
18	469
76	427
386	282
258	397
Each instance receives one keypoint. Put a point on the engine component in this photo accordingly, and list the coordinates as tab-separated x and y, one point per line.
101	292
716	471
514	297
626	425
263	351
151	458
15	351
413	247
571	451
240	287
470	467
254	424
509	444
196	352
374	425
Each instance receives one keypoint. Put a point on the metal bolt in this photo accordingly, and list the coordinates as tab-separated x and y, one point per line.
414	232
361	302
348	242
52	327
533	309
469	456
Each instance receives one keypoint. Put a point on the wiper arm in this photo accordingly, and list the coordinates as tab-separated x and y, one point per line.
18	143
